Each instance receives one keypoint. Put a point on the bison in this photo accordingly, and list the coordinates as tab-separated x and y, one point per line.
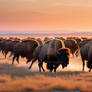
86	54
73	46
24	49
51	52
9	46
83	42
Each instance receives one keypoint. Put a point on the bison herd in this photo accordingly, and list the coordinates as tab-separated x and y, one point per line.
53	51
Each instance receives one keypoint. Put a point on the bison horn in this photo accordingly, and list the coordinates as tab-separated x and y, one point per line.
58	52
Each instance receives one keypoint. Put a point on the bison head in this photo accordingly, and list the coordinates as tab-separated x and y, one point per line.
63	56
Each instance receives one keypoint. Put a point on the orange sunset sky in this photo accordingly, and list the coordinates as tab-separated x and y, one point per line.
75	15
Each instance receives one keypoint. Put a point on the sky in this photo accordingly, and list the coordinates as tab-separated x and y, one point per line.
73	15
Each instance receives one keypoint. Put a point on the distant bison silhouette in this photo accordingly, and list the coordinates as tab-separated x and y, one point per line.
72	45
24	49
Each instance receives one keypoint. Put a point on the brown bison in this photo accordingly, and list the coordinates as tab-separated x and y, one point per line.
7	46
73	46
24	49
83	42
3	45
39	41
86	54
52	54
60	38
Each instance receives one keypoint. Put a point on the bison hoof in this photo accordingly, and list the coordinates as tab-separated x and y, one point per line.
89	70
43	70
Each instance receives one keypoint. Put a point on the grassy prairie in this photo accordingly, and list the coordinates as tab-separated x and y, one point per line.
17	78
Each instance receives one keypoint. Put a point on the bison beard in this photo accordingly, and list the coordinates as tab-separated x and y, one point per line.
51	64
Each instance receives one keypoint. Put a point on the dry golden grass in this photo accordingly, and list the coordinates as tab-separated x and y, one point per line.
19	79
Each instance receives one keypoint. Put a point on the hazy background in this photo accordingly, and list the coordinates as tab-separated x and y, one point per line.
46	15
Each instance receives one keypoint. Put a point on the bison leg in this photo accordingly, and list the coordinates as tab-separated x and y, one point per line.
51	70
55	69
83	64
56	66
28	61
33	60
40	65
3	52
6	52
13	59
31	65
43	68
50	66
5	55
90	70
17	59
